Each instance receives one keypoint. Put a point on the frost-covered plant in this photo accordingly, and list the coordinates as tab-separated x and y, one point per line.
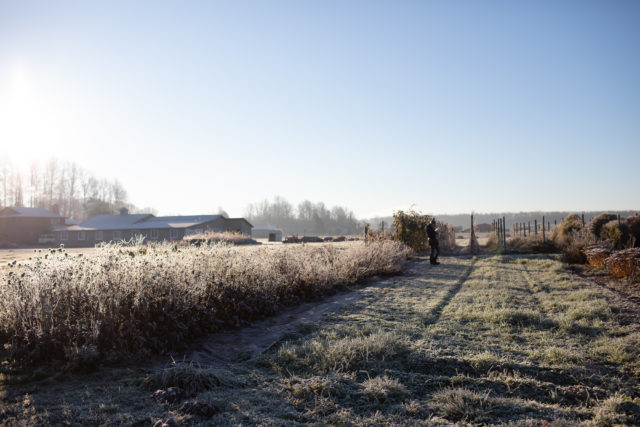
138	300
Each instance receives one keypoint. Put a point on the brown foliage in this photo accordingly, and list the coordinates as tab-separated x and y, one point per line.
411	229
571	237
597	222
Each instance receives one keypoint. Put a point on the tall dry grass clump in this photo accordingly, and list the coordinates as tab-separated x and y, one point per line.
136	301
571	237
446	237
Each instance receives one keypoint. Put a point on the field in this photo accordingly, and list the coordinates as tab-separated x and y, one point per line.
480	340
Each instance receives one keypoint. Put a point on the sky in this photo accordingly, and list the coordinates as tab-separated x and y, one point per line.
443	106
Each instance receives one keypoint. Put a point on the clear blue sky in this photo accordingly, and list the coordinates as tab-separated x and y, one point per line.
450	106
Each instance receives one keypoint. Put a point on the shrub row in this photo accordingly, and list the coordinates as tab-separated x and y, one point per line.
136	301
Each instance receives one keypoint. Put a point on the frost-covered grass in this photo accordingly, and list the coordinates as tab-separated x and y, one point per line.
138	300
231	237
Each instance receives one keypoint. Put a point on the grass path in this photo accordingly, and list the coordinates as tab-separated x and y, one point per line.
490	340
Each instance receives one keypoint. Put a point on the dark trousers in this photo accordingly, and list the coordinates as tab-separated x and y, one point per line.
435	251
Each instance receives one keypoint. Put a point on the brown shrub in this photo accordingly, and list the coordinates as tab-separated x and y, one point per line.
634	228
625	264
571	237
595	225
566	230
410	228
617	233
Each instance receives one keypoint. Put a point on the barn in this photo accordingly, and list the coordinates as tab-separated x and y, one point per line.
126	226
268	232
23	226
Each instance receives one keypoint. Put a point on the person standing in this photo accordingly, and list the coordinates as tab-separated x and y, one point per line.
433	242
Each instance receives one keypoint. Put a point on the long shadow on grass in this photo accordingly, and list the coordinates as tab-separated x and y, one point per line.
436	312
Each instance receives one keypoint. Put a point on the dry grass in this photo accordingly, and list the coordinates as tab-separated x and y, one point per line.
231	237
141	300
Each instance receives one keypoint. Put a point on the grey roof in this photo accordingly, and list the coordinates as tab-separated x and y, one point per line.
71	227
145	221
15	211
114	222
195	219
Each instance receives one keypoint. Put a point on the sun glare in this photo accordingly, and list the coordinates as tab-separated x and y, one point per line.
31	123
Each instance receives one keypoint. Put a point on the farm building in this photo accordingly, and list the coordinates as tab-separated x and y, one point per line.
268	232
23	226
125	226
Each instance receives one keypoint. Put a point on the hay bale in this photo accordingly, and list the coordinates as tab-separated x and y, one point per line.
597	255
624	263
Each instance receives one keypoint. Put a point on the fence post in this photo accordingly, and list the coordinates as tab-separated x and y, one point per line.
543	236
504	233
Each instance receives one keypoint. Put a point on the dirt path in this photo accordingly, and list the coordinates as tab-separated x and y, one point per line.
246	343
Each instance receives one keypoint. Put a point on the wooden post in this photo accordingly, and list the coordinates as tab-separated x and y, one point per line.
543	236
529	228
504	233
583	219
471	224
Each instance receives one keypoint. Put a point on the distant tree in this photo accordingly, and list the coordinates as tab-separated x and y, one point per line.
308	217
65	188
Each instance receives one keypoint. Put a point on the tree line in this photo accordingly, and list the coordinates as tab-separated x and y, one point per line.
61	187
305	218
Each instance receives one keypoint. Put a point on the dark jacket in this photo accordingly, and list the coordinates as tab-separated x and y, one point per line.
431	233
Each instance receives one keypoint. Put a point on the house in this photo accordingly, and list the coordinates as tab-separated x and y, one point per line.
23	226
126	226
269	232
